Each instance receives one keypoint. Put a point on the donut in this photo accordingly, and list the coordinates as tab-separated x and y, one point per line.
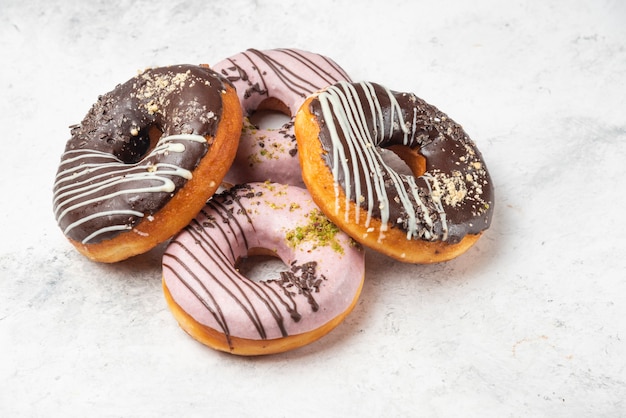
145	159
433	213
218	306
279	80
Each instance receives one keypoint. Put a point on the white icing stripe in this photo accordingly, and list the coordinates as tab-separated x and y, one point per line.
80	152
436	199
362	149
104	230
75	185
167	185
184	137
90	169
346	116
72	174
414	189
101	214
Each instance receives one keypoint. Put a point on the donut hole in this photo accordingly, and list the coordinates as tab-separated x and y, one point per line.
270	114
404	160
140	144
260	265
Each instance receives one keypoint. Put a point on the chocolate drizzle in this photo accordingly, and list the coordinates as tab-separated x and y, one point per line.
302	279
211	245
452	198
279	80
136	147
298	72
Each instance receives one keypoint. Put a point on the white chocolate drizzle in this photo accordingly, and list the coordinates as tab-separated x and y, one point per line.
89	177
358	119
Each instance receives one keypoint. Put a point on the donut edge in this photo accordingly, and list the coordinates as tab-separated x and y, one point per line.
249	347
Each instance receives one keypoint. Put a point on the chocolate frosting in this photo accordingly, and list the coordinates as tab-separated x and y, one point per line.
454	197
135	148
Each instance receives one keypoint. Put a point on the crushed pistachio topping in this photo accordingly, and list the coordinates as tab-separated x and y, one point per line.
320	230
269	185
275	206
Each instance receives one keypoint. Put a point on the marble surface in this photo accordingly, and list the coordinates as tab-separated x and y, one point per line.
529	322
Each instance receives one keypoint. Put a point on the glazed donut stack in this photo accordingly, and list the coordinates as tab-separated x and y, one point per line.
144	166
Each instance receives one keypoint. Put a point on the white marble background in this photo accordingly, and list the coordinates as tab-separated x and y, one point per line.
530	322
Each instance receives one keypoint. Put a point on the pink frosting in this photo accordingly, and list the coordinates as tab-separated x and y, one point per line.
322	280
289	75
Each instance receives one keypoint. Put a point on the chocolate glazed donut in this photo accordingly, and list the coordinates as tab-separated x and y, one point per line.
135	150
433	215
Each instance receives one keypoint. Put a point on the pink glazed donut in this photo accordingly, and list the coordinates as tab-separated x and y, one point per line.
280	80
218	306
